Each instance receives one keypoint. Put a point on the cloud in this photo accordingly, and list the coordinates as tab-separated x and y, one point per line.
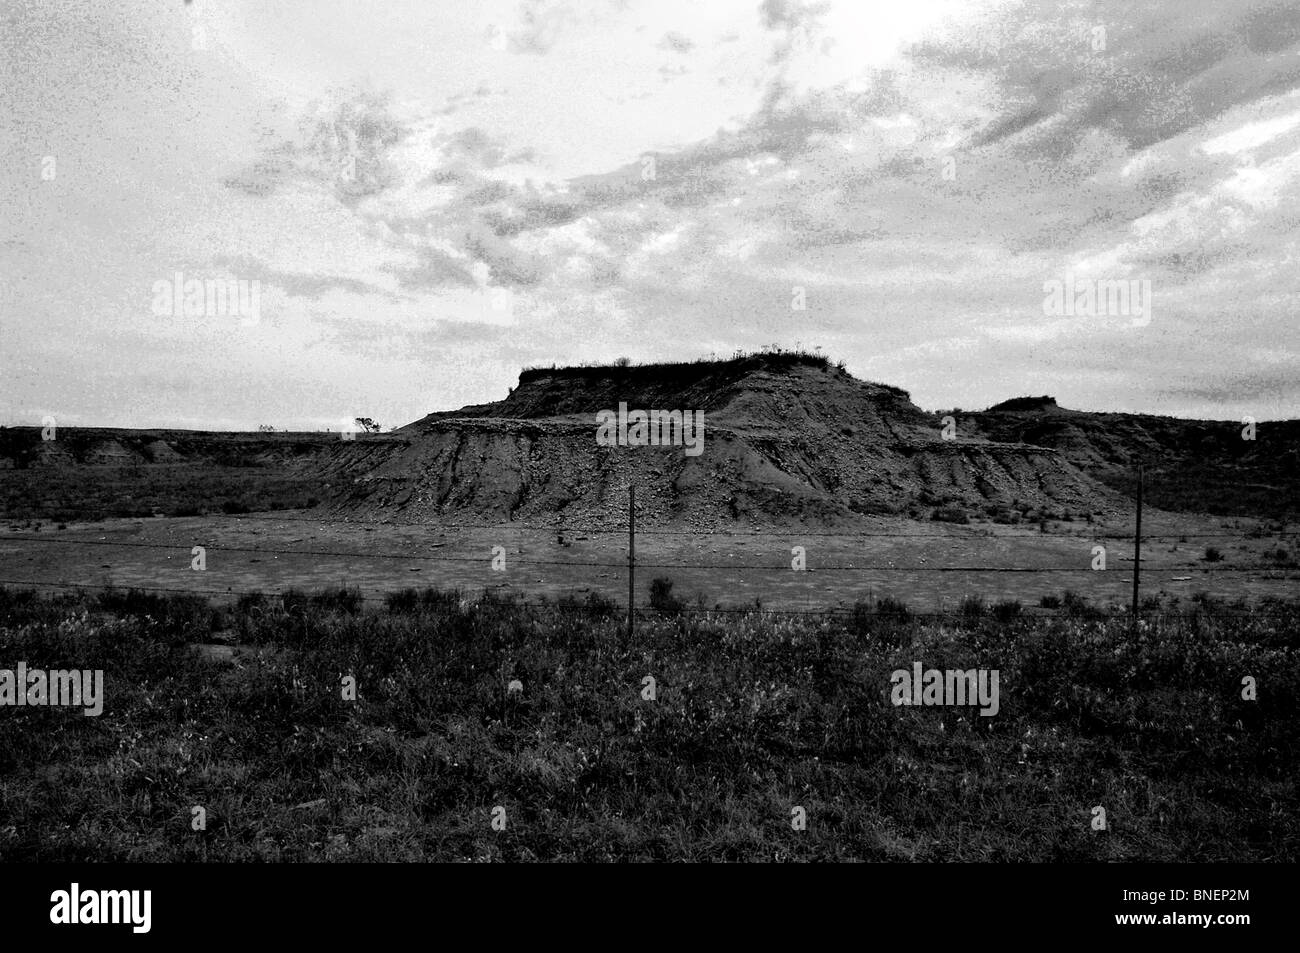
676	42
541	25
297	284
344	145
919	201
790	14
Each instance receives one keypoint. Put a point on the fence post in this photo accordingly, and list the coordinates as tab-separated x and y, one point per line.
1137	548
631	558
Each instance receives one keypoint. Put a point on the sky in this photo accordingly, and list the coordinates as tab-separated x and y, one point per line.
429	196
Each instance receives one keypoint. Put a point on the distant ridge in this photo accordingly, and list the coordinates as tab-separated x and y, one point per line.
791	440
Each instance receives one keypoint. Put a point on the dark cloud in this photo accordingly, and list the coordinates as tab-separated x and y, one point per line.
294	283
1162	68
435	269
1269	389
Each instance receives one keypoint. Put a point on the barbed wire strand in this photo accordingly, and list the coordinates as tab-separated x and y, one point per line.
728	567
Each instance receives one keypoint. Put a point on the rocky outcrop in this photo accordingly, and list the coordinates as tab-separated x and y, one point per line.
785	444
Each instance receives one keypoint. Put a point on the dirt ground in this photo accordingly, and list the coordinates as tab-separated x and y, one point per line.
930	566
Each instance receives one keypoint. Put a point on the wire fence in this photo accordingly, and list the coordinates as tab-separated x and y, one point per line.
1285	571
730	567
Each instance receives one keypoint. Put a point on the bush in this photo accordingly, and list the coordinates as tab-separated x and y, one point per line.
293	600
343	599
874	507
416	600
183	616
1212	554
661	596
403	600
1000	513
1050	602
950	514
249	601
1078	606
972	608
889	618
597	605
602	606
1007	610
893	608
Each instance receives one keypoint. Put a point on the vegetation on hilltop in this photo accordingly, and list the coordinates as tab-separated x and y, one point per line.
669	371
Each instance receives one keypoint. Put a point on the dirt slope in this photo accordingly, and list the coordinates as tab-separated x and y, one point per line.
785	444
1191	465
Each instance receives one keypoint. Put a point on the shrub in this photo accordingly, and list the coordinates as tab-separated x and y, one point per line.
249	601
403	600
893	608
597	605
293	600
661	595
1078	606
1282	557
950	514
343	599
874	507
181	615
1212	554
1006	610
972	608
602	606
889	618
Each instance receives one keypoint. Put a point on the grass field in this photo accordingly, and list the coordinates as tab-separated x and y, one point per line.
238	708
931	565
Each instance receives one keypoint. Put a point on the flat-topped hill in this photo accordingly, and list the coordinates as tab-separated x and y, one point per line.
789	439
735	392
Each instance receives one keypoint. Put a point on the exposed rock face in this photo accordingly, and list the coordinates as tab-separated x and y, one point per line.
784	444
1209	466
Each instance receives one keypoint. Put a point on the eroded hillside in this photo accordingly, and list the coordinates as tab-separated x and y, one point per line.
786	442
789	440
